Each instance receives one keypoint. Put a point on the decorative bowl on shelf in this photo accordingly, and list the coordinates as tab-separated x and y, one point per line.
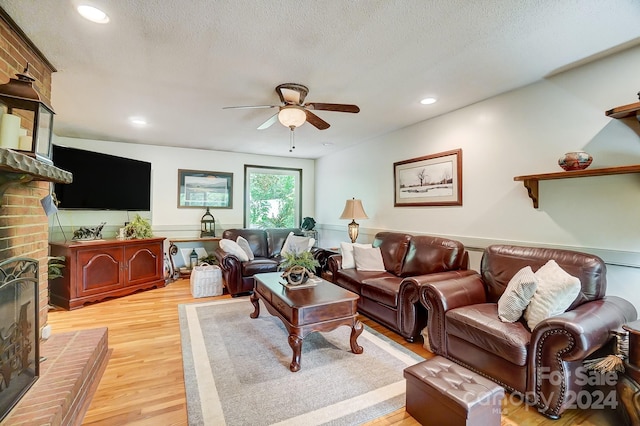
576	160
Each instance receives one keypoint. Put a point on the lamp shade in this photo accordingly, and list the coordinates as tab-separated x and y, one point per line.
353	210
292	116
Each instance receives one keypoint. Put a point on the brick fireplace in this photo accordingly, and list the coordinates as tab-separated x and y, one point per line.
71	364
24	232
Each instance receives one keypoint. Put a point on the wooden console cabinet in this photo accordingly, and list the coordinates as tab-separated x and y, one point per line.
96	270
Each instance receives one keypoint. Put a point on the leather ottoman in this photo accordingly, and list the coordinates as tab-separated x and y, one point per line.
440	392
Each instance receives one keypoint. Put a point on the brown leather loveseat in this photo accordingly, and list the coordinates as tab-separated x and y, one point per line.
265	245
544	365
391	297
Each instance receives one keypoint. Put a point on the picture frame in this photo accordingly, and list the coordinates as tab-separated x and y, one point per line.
432	180
200	188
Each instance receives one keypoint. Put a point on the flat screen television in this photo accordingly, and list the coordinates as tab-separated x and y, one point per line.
102	181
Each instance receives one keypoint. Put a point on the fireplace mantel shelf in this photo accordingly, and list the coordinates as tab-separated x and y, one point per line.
16	168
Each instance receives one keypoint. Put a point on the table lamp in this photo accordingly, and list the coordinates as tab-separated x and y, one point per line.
353	210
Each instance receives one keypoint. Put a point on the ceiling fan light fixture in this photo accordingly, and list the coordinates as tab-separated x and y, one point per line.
292	116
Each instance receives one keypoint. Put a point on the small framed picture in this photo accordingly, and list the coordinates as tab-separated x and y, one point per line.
198	188
432	180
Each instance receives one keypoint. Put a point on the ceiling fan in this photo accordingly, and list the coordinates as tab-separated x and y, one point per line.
294	112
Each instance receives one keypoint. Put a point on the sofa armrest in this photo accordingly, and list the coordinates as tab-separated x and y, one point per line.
411	315
586	328
231	268
448	290
570	338
334	263
439	296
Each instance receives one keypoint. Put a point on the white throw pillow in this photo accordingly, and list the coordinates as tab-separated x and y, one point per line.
346	250
297	244
231	247
555	293
244	245
517	295
368	259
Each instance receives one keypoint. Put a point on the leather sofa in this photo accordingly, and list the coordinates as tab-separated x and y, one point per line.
391	297
265	245
539	364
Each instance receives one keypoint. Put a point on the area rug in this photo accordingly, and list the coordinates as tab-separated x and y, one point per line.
236	370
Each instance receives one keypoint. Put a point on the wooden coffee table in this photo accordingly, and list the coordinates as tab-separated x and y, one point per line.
323	307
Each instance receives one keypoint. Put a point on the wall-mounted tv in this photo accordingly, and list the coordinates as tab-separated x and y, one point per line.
102	181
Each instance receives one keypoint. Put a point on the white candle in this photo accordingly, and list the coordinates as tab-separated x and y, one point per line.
9	127
25	143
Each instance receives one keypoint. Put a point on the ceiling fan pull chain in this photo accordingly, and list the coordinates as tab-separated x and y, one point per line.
292	142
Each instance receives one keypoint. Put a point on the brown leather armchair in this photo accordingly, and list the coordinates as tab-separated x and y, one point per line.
538	364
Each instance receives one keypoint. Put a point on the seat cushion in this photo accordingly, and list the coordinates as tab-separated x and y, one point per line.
352	279
382	289
480	325
258	266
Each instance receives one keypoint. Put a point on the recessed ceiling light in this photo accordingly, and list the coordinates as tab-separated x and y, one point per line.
327	143
428	101
138	121
93	14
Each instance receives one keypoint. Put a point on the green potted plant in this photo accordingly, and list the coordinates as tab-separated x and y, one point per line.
139	227
298	267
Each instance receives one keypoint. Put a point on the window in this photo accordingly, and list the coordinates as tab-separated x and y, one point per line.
272	197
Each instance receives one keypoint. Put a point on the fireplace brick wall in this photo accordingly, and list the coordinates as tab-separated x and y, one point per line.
24	227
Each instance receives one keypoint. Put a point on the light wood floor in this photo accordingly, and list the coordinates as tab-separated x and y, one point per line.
143	383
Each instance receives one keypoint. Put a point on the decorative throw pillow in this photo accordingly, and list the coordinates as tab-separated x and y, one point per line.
244	245
231	247
346	250
555	293
297	244
368	259
517	295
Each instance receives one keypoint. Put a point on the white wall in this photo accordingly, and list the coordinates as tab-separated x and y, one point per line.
518	133
166	218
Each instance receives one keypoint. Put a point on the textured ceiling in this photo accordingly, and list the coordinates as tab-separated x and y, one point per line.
177	63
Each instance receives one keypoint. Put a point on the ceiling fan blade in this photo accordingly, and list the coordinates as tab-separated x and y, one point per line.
269	122
316	121
333	107
250	107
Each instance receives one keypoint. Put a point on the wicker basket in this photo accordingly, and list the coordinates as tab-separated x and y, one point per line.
206	281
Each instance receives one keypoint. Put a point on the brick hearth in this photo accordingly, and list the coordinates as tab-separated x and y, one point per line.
68	379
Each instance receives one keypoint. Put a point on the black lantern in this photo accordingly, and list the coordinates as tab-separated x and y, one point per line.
193	259
207	225
26	122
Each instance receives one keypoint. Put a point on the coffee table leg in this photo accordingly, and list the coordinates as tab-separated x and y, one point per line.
256	305
296	344
356	330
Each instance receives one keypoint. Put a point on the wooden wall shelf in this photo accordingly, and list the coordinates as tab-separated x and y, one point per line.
624	111
531	181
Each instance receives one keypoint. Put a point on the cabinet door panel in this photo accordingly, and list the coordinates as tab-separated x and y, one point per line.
99	271
144	263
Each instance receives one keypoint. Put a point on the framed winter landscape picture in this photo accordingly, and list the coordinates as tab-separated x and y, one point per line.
433	180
